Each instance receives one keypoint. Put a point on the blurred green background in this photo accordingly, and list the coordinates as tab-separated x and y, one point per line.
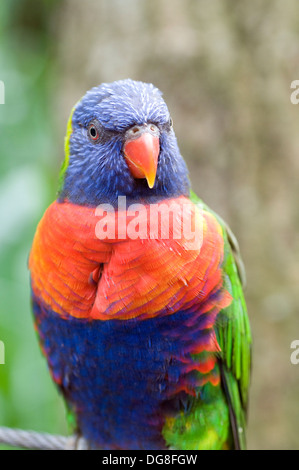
225	69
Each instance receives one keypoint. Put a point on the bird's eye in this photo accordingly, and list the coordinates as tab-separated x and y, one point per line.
93	132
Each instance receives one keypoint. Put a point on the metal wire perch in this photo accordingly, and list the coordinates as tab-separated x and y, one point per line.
40	441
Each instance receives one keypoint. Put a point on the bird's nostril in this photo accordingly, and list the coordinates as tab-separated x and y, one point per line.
135	130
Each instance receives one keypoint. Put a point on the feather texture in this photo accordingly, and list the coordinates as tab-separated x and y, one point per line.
145	328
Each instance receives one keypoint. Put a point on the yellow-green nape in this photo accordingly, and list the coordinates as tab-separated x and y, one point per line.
66	160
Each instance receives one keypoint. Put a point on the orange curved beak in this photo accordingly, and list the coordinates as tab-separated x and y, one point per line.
141	155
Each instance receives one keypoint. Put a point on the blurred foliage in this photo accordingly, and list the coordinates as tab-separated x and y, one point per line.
225	69
27	171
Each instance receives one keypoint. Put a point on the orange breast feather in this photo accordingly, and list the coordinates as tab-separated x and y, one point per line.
144	267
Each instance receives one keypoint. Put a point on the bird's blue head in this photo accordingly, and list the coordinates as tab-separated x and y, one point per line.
120	142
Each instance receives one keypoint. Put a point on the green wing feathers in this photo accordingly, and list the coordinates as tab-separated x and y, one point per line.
234	336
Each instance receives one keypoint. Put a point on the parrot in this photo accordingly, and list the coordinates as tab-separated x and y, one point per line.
137	286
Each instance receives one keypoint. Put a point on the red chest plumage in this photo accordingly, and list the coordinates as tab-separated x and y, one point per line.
92	264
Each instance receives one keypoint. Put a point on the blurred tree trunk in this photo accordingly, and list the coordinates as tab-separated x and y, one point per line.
225	69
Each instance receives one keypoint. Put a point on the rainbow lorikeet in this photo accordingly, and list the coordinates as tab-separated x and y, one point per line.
136	286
